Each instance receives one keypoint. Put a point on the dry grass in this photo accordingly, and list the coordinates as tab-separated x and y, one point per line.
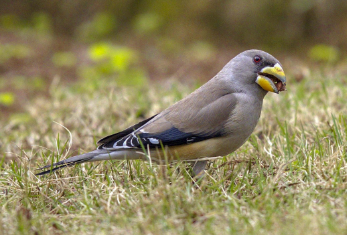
290	178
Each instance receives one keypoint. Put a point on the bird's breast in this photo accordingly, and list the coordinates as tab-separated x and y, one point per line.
210	148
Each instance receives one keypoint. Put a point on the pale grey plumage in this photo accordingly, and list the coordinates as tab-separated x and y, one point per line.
214	120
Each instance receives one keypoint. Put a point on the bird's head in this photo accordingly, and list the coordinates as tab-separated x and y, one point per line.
256	66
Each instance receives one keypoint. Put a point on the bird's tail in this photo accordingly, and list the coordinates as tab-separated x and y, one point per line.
87	157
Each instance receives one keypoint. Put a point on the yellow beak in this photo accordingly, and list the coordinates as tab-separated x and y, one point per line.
272	79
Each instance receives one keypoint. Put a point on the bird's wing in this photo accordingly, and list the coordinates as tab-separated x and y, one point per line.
119	135
190	120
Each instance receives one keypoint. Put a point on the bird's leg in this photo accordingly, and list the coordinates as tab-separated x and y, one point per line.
198	168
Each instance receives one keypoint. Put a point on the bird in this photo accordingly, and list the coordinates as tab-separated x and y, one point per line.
212	121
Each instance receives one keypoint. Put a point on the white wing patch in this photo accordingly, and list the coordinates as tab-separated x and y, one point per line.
125	142
153	140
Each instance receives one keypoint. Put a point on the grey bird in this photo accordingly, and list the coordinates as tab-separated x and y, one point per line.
214	120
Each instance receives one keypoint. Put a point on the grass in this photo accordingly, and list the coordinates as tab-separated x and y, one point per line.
289	178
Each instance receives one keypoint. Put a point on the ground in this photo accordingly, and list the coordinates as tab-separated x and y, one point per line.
289	178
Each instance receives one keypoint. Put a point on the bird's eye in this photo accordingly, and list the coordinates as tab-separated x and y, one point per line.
257	59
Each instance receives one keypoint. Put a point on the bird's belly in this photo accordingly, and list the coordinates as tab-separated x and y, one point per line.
204	149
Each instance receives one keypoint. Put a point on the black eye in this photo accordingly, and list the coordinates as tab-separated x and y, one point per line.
257	59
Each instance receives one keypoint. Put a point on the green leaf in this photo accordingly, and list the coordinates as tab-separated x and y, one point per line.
122	58
6	98
324	53
99	51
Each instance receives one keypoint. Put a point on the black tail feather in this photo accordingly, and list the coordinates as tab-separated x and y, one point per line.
51	170
62	164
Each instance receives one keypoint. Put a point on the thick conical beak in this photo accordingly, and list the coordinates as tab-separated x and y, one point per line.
272	79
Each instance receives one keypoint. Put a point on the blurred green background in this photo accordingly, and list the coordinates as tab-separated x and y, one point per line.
131	42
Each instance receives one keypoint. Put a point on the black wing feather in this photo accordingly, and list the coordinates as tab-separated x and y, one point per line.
119	135
170	137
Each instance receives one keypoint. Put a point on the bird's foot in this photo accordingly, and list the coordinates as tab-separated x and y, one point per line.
198	169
